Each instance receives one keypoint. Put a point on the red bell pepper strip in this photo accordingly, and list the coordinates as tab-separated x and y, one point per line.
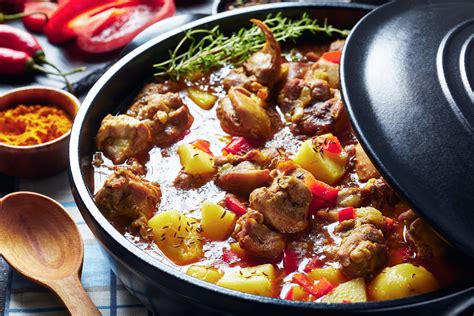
237	146
313	264
290	261
345	214
332	145
234	205
316	289
334	57
323	194
105	25
36	22
203	145
389	223
289	294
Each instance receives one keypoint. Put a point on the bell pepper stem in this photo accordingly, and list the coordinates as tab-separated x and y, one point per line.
16	16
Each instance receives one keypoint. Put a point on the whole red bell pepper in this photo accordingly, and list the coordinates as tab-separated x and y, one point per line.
105	25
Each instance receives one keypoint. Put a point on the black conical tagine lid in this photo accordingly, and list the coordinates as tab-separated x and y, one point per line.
407	76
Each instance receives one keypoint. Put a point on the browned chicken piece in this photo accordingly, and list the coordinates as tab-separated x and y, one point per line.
121	137
284	204
264	158
321	118
126	196
256	238
298	94
243	178
362	251
363	166
294	70
377	193
166	115
243	113
154	88
326	70
238	78
427	242
266	63
186	181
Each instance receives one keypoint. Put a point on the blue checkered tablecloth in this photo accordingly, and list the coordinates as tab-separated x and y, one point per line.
106	291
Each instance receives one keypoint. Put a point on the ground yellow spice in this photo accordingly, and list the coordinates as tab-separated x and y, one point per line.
26	125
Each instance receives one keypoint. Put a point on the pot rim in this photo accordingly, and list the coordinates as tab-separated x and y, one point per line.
99	221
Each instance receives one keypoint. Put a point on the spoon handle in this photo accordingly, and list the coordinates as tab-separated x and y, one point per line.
71	292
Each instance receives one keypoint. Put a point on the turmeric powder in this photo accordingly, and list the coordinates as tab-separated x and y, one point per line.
26	125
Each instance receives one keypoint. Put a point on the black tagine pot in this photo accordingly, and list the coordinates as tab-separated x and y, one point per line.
160	287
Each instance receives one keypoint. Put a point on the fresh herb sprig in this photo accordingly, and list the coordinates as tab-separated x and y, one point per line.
209	49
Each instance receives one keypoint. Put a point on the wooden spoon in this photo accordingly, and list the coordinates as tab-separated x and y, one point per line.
41	241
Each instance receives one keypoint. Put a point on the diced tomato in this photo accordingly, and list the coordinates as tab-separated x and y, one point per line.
401	255
346	302
234	205
37	22
334	57
345	214
316	289
313	264
289	294
290	261
231	258
389	223
203	145
237	146
332	145
324	195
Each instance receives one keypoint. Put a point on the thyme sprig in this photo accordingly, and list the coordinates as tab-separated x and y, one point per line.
210	48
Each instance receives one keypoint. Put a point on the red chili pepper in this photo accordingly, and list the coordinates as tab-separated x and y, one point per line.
13	62
315	263
332	145
290	261
345	214
237	146
316	289
36	22
323	194
203	145
21	41
334	57
105	25
16	39
234	205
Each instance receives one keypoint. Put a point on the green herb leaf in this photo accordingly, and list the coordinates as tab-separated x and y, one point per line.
210	49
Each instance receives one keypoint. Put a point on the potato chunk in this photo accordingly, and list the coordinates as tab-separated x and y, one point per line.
208	274
195	161
203	99
331	274
216	223
324	167
352	291
177	236
258	280
401	281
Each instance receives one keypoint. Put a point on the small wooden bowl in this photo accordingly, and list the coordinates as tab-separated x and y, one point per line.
37	160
